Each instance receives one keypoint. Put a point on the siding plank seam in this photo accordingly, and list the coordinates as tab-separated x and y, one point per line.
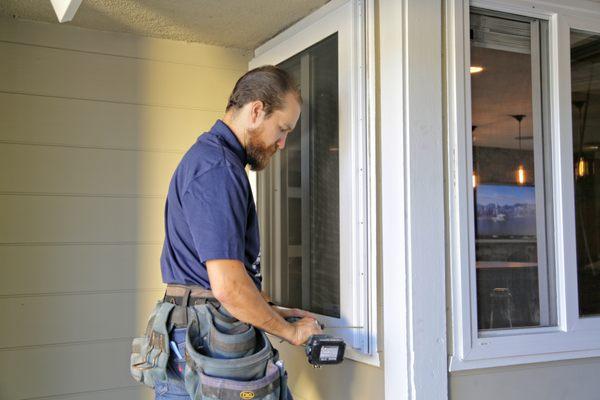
104	195
131	103
77	394
66	344
90	147
126	243
239	70
79	293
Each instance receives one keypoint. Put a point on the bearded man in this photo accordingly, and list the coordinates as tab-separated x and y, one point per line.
212	239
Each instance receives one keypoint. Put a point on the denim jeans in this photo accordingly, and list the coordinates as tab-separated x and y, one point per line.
174	387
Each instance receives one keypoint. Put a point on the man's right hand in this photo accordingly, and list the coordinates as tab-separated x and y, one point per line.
232	286
303	330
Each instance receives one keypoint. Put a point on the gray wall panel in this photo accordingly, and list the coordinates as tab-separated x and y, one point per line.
92	125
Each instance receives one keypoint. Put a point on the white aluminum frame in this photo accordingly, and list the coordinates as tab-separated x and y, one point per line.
356	151
540	171
573	337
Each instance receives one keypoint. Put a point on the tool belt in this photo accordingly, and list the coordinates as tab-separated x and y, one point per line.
184	295
225	358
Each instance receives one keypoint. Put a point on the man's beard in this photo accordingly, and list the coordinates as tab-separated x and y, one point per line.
258	154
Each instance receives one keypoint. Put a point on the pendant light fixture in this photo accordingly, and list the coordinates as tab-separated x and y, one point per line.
475	170
582	166
520	173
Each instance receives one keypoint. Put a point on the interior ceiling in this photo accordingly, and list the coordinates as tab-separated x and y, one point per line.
244	24
504	89
501	90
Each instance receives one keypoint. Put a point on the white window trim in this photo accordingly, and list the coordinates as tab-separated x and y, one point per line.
357	168
573	337
413	247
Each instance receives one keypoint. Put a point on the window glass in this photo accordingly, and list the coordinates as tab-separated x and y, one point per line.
309	198
510	182
585	95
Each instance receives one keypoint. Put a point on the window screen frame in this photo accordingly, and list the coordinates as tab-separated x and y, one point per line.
356	181
543	180
573	337
275	180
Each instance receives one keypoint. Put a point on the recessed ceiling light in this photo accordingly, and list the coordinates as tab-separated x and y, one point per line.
476	69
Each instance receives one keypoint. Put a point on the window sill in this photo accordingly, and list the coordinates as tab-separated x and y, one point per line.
370	359
543	347
456	364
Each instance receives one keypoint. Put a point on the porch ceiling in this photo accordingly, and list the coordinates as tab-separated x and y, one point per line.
231	23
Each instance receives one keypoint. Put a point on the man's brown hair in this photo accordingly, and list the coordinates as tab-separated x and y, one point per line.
268	84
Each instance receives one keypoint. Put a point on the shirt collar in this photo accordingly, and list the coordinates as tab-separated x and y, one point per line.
221	129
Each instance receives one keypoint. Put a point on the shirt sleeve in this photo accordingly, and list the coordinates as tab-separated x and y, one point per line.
215	207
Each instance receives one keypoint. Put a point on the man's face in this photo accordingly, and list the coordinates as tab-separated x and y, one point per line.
270	135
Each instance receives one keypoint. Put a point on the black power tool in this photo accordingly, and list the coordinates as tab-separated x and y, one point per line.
323	349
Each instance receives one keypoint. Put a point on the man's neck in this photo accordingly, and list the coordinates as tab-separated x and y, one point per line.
238	131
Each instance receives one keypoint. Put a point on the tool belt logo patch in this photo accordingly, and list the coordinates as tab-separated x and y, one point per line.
247	395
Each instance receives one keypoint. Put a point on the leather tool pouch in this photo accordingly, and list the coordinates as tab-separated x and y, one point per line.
228	359
150	353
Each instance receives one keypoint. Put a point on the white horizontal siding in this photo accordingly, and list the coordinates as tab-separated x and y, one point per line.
68	170
75	219
99	124
90	76
92	125
79	268
63	369
561	380
73	38
90	316
134	392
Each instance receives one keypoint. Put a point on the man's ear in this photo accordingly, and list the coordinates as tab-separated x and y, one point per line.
257	113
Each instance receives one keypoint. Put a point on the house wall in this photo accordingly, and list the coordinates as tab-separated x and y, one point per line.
92	125
564	380
349	380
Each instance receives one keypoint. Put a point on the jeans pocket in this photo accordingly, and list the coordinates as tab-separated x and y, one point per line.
161	388
170	390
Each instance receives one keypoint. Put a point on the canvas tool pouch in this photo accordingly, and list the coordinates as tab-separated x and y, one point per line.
150	353
228	359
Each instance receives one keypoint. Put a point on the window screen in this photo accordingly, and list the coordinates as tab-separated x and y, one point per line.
585	95
511	176
308	220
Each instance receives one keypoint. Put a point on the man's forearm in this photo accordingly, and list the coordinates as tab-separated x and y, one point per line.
236	291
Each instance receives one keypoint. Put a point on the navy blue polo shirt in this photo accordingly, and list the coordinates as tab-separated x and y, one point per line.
210	212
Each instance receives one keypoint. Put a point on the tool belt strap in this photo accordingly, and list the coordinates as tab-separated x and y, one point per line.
187	295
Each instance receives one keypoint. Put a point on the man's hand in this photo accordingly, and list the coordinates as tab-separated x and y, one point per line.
304	329
307	326
232	286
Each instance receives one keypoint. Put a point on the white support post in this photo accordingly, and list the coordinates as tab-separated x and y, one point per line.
65	9
412	202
